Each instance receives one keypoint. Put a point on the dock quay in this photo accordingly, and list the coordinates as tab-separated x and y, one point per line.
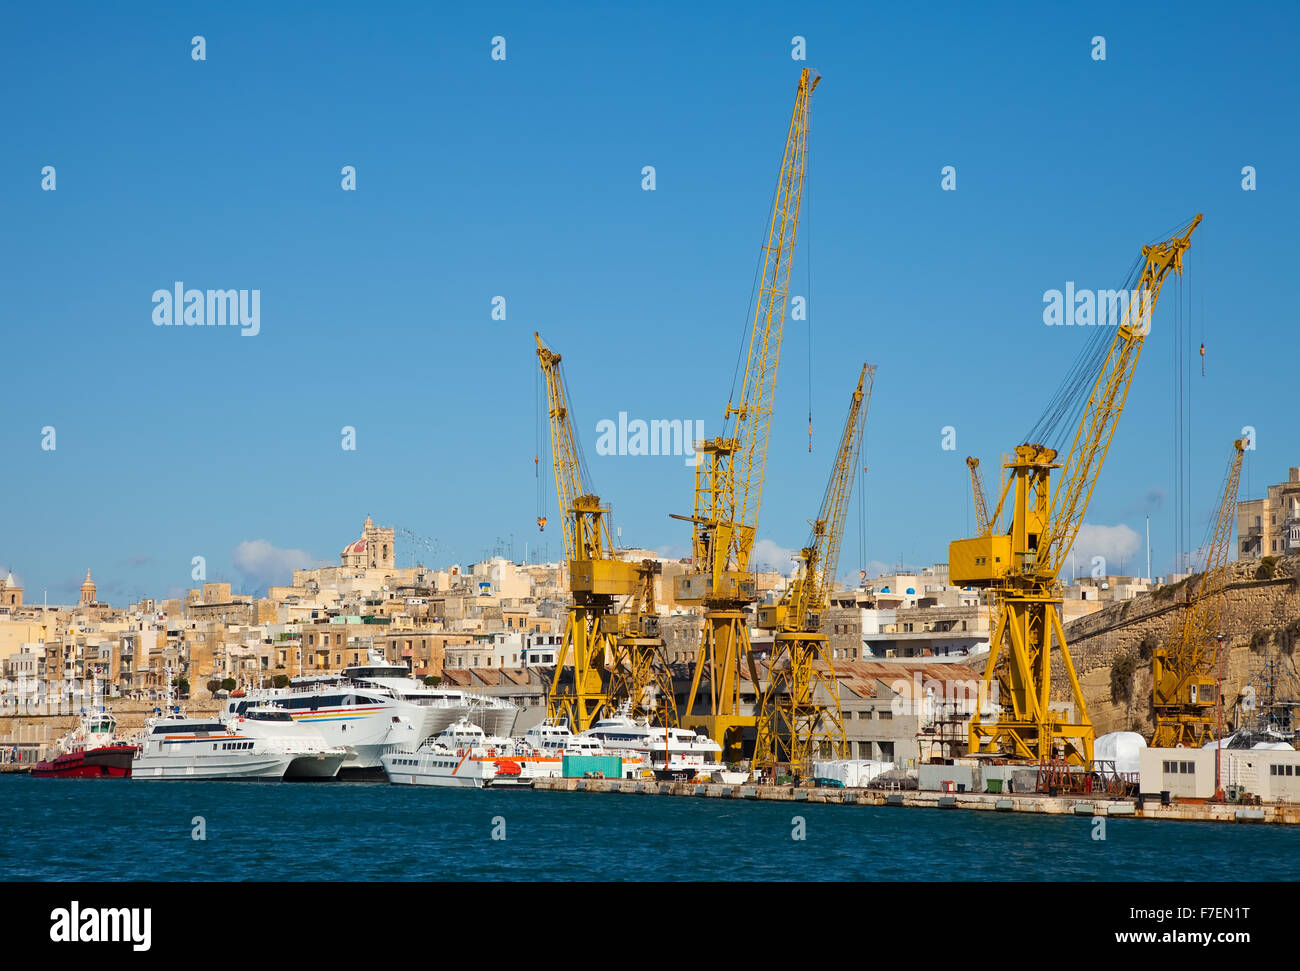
925	799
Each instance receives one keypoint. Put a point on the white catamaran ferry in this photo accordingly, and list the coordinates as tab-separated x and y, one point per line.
176	747
313	757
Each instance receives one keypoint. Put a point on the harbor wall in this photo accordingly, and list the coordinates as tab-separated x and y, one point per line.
1257	617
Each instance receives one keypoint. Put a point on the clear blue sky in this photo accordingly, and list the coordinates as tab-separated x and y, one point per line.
522	178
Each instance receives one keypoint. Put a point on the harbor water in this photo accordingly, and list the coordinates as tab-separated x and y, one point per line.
71	830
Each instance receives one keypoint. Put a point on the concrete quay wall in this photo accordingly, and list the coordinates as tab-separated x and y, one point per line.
1021	802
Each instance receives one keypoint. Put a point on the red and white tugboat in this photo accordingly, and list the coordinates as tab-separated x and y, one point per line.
90	751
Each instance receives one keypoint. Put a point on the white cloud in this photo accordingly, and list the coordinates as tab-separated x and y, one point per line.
1117	545
767	555
263	564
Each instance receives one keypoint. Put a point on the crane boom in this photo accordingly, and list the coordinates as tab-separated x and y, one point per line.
1184	688
982	523
794	725
753	414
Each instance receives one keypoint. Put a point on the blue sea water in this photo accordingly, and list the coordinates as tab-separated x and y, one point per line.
83	830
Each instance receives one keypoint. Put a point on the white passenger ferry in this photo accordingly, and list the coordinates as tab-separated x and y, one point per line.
176	747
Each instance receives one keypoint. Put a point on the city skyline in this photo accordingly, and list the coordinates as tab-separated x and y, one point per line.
376	304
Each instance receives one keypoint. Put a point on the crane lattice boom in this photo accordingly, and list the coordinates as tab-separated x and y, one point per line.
982	523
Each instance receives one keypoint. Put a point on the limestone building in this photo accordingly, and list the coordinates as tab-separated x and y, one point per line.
11	595
374	549
1271	526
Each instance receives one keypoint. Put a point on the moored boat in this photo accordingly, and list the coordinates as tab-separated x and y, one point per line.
313	758
672	753
464	756
91	751
176	747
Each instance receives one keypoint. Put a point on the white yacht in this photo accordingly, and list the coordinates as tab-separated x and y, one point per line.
554	737
176	747
465	756
313	757
553	740
669	752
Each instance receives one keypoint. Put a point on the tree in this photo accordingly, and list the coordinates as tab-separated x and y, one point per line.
433	680
280	681
229	684
213	686
1121	678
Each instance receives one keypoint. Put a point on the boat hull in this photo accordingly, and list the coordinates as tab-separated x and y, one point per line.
162	768
108	762
316	765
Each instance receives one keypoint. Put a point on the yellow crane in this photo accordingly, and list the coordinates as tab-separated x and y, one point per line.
794	726
1022	566
1184	685
729	475
639	674
596	576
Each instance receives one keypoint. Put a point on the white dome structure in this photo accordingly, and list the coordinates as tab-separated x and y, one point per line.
1122	748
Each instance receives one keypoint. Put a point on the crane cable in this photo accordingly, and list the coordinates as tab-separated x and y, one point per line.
807	172
1065	408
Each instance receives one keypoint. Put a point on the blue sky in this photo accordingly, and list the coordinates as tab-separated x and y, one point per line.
522	178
